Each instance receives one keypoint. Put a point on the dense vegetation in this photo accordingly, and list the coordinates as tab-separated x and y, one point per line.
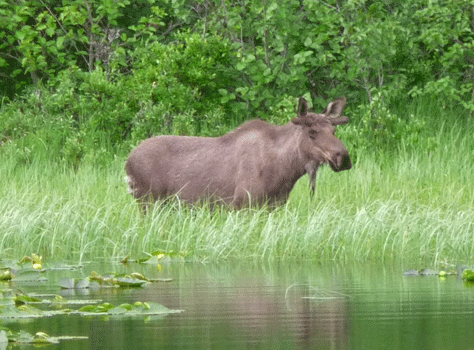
83	81
89	79
416	208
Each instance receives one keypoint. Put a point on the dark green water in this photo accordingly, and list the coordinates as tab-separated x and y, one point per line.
284	306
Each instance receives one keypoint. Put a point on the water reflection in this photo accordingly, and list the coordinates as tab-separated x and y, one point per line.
280	306
249	307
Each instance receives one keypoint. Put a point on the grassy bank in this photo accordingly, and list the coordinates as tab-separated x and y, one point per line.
408	204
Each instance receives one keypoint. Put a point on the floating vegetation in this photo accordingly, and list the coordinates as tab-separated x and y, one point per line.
159	257
15	271
136	309
25	338
423	272
28	275
74	283
431	272
110	280
6	275
17	305
35	259
20	306
466	273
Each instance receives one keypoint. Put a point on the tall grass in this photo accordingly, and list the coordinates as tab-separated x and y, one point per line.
407	204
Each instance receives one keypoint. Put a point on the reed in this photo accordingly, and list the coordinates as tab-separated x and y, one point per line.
408	204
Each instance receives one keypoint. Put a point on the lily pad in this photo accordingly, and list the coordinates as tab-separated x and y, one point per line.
137	309
40	338
29	275
64	267
119	280
6	275
35	259
23	299
411	272
125	281
428	272
23	311
160	257
74	283
468	275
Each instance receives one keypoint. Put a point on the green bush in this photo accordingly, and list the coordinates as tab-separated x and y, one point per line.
100	81
375	127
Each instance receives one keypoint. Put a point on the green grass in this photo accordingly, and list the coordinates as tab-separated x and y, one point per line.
408	204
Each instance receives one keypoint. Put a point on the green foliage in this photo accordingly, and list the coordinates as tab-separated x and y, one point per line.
87	80
44	37
410	203
23	338
86	115
468	275
376	128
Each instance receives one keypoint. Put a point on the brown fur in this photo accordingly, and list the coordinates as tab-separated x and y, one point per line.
257	162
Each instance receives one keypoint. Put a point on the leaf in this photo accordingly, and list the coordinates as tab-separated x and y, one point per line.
23	311
153	308
137	309
152	260
60	42
468	275
20	35
88	308
34	258
43	338
126	306
428	272
82	283
40	338
139	276
67	283
50	31
29	275
117	311
411	272
24	298
241	66
24	337
6	275
73	283
125	281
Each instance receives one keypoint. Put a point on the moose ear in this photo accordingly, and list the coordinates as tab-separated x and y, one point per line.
303	107
335	108
340	120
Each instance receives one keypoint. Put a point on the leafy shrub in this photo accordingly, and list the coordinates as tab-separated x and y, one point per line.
376	128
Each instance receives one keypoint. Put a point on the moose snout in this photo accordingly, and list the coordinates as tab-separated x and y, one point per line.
341	161
346	163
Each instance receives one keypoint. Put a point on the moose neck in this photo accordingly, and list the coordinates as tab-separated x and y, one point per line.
289	147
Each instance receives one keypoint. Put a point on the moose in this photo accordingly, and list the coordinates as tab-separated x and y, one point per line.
254	164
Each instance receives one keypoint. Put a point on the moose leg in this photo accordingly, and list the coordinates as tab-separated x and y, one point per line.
248	194
241	198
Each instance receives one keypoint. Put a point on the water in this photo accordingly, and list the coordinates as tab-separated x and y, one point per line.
281	306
